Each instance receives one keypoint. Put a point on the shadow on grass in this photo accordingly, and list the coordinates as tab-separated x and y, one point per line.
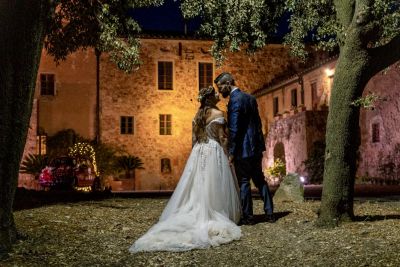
260	218
30	199
374	218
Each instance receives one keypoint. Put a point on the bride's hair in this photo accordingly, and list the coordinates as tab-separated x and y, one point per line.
207	101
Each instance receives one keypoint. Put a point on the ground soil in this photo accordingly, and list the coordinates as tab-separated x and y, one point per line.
99	233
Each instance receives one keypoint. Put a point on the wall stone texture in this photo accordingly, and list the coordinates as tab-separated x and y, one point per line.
375	157
296	133
136	94
27	180
74	104
380	159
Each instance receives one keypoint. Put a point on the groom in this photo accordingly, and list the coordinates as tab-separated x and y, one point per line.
246	144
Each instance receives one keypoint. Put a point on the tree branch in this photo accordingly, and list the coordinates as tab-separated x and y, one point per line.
345	11
386	55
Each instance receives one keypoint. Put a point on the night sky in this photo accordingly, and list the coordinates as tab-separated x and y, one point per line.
166	18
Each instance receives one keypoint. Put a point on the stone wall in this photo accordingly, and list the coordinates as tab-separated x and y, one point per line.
385	153
297	133
27	180
136	95
321	76
74	103
376	159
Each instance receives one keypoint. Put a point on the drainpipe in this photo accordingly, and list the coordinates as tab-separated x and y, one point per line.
98	54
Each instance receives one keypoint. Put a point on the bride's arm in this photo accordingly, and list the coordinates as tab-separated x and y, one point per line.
194	139
223	137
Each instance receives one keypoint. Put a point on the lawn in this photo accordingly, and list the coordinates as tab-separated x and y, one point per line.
99	233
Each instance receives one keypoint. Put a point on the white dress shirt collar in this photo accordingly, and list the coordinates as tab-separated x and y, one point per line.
234	89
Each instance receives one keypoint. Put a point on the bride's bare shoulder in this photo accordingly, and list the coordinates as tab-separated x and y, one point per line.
215	113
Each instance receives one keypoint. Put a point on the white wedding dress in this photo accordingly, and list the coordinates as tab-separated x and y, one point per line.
204	206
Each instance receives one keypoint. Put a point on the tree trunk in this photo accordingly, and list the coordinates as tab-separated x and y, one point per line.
22	24
342	137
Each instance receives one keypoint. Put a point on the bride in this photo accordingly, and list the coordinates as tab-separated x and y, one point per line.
205	206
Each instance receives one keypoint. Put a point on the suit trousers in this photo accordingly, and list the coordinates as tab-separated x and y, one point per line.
246	169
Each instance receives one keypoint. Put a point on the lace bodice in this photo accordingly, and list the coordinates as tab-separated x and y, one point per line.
212	128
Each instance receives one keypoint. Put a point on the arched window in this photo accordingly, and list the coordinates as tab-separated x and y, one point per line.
279	152
375	133
165	165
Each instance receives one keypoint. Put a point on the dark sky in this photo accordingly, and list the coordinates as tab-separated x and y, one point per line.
166	18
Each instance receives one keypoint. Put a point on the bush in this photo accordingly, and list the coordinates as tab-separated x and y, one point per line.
276	172
58	144
316	162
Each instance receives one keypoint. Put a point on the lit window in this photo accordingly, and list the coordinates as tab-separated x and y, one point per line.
165	124
375	133
41	145
165	165
165	75
126	125
47	84
205	75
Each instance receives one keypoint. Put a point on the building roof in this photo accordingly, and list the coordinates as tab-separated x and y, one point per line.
289	78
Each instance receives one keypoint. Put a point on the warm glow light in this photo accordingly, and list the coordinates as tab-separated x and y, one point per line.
302	179
83	189
330	72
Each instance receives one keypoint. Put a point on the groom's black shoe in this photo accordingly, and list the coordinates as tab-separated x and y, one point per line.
247	221
270	218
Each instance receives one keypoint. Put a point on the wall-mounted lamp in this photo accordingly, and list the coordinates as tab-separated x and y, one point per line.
330	72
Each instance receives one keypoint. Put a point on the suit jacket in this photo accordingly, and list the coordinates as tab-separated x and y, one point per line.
245	133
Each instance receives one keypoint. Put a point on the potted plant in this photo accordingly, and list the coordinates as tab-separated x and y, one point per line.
34	164
293	110
277	116
286	113
128	164
301	108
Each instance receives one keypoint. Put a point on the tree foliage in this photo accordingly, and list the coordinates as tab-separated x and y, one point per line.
102	24
232	24
328	22
253	23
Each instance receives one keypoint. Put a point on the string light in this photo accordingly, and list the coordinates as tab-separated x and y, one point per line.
83	189
80	150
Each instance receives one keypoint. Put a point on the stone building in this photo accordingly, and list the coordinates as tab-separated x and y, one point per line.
149	111
294	113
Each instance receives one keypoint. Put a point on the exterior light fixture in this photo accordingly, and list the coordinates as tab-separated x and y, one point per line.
330	72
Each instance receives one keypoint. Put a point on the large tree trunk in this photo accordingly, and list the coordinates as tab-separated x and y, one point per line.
357	63
342	136
22	24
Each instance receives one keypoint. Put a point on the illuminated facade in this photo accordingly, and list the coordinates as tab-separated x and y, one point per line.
294	115
148	112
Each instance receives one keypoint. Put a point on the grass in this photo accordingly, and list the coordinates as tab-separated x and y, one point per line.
99	233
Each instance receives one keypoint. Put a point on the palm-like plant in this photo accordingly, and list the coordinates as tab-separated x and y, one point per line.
129	163
34	164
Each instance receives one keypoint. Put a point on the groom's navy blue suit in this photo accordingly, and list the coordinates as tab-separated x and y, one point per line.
246	144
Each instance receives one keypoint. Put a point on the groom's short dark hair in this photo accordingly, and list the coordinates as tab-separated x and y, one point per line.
224	77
